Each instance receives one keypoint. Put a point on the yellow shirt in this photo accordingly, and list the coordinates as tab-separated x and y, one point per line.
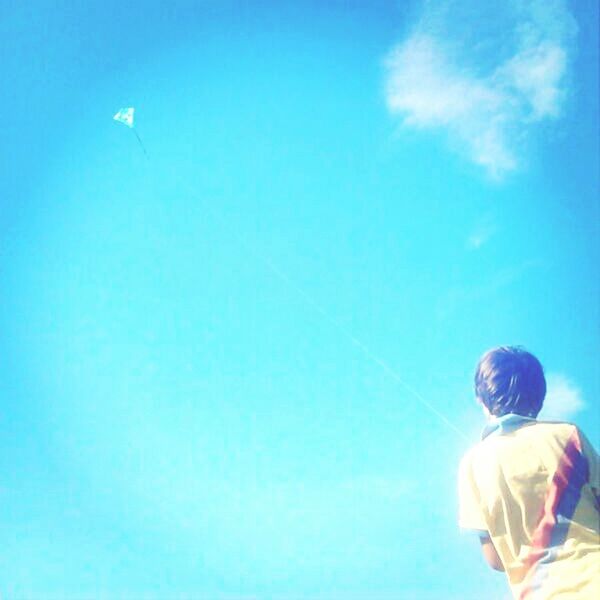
532	487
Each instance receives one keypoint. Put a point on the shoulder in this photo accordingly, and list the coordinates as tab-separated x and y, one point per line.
469	456
532	429
560	431
555	427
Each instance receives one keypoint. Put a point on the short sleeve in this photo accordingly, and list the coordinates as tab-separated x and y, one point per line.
470	515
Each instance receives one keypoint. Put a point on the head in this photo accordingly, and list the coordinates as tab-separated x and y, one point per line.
509	379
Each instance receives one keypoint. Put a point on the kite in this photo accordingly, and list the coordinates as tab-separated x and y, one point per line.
125	116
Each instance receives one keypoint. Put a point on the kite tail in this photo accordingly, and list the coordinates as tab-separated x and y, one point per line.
139	139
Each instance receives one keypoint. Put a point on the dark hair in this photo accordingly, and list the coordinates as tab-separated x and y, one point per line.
509	379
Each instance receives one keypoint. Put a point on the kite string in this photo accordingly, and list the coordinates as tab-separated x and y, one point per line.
282	276
361	345
288	281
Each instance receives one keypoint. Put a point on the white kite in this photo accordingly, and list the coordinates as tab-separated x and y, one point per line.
125	116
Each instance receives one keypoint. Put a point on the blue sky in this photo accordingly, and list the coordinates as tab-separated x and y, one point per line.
216	361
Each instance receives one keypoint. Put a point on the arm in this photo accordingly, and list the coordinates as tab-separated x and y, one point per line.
490	554
471	516
593	460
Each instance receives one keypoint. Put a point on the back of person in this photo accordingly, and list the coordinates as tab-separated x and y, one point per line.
534	485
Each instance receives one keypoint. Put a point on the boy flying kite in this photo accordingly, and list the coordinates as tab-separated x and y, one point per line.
531	489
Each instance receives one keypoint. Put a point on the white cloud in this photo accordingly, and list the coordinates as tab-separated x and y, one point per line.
454	74
536	74
464	297
563	399
481	234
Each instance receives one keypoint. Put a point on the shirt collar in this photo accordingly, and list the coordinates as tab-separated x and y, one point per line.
505	424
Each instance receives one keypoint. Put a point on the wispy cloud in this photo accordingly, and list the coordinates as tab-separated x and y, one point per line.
485	85
464	297
563	398
481	233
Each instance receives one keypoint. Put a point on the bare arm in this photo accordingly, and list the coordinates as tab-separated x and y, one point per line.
490	554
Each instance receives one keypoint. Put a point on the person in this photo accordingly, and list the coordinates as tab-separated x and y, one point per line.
531	489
